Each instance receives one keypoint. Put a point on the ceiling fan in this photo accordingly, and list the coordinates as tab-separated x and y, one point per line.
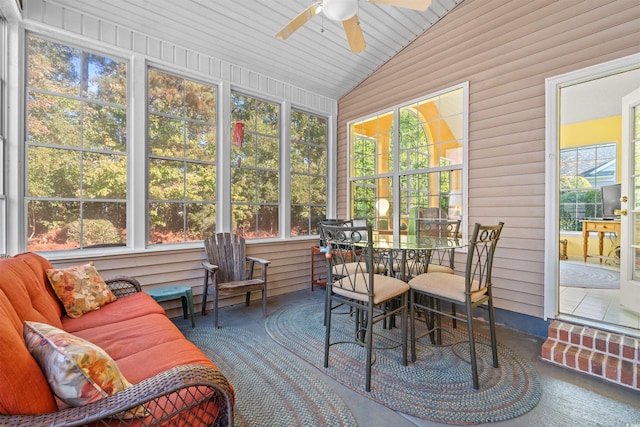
345	11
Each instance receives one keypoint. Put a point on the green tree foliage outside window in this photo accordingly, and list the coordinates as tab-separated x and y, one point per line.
255	167
414	156
363	186
308	172
75	147
182	158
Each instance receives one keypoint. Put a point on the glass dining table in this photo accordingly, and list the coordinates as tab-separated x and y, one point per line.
400	253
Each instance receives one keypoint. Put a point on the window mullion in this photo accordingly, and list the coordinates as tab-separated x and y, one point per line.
137	149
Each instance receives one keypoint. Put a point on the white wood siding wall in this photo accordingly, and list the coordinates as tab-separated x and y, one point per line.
289	270
505	49
290	267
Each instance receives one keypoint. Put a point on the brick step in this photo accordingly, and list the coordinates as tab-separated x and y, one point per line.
607	355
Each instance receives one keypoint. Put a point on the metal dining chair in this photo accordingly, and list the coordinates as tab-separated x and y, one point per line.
437	260
365	292
440	260
473	290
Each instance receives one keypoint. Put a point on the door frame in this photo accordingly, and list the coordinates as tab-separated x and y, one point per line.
552	130
629	288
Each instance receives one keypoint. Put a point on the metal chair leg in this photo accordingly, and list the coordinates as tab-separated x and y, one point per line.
472	348
412	324
369	339
327	321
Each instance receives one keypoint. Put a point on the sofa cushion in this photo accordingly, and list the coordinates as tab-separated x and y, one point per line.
124	308
165	356
25	285
78	371
80	288
24	387
163	343
122	339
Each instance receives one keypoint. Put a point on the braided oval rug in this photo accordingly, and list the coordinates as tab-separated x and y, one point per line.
272	388
437	387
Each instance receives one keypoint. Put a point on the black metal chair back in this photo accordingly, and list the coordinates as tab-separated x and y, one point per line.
472	290
353	282
438	228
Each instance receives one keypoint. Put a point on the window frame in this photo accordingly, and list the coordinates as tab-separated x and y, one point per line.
257	204
596	203
395	174
313	228
83	99
215	162
137	225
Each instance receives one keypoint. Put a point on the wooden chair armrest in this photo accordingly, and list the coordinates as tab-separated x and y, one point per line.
192	387
210	267
258	260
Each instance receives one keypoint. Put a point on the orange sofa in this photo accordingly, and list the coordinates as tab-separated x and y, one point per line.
171	377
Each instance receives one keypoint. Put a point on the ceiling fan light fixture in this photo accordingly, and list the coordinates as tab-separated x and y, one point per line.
339	10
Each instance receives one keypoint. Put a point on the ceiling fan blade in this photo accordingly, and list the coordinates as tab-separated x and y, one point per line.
407	4
354	34
298	22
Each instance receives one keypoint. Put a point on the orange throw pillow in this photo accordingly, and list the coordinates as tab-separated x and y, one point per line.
80	289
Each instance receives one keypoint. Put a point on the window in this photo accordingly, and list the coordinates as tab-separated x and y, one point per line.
308	172
182	158
423	160
78	155
583	170
255	164
363	189
76	146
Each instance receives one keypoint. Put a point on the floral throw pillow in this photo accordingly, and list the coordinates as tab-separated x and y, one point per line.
78	371
80	289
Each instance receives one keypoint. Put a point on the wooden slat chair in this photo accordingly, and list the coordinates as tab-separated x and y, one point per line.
227	269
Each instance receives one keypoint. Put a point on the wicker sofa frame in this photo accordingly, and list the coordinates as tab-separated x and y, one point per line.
183	395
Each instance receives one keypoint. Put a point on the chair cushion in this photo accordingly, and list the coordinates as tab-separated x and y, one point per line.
444	285
384	287
80	289
437	268
349	268
78	371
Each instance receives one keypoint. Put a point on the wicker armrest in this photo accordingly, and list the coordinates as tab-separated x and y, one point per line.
190	392
123	285
258	260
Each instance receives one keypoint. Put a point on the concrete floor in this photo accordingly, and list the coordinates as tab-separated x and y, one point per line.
569	398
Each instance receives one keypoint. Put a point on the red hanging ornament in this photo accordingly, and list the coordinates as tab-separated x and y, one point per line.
238	134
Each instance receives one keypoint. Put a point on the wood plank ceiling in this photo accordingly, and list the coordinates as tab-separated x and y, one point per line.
242	33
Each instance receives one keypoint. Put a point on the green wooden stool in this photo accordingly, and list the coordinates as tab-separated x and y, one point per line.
174	292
